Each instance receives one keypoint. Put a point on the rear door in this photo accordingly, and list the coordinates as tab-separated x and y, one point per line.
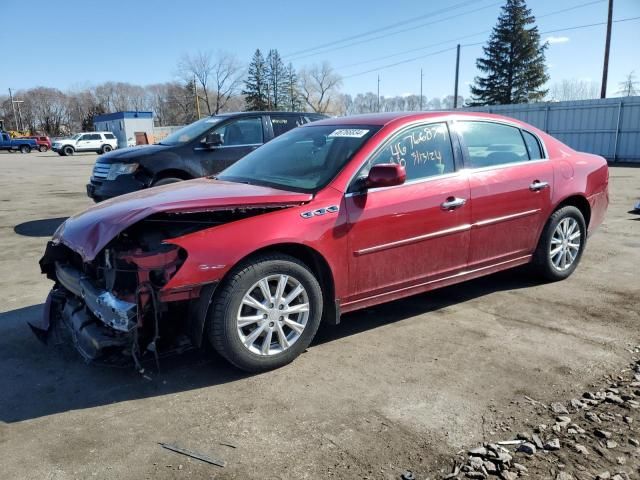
283	123
240	136
511	184
413	233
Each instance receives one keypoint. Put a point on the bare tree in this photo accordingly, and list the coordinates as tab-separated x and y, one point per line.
218	77
573	89
49	108
228	74
319	86
198	67
629	87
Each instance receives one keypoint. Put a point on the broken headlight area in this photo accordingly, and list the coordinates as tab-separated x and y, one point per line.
113	305
116	303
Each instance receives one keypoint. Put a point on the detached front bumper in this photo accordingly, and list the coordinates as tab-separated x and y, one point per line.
98	322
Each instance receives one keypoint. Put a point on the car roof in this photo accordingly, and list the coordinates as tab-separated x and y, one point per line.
386	118
244	114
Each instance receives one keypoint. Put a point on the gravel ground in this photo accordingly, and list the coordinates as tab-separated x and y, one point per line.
403	386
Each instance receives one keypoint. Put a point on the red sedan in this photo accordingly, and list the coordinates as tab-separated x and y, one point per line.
329	218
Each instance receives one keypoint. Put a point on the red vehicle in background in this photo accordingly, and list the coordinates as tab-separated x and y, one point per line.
44	143
330	217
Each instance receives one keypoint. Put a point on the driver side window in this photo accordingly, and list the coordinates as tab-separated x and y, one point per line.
424	151
245	131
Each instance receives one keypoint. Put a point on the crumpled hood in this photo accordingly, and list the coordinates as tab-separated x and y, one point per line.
88	232
131	153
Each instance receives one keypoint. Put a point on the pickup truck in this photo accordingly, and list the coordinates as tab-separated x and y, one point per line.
24	145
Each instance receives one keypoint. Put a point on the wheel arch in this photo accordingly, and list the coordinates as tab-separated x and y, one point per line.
313	259
319	267
172	172
580	202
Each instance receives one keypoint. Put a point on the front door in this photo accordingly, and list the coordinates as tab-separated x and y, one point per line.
239	137
88	141
510	185
412	233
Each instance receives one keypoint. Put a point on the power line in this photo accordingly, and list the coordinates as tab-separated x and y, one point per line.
379	29
403	30
384	67
413	59
457	39
569	28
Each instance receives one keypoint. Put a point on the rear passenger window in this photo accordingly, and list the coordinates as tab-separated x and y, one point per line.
424	151
533	145
491	144
110	136
282	124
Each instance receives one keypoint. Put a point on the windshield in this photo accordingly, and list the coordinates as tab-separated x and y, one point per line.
188	133
303	159
76	136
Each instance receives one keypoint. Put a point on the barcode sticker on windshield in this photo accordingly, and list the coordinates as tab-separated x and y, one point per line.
349	132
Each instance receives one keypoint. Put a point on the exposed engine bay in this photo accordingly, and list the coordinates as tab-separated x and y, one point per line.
115	306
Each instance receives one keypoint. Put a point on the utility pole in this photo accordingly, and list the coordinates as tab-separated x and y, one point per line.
455	88
605	68
378	93
195	92
421	75
20	114
13	105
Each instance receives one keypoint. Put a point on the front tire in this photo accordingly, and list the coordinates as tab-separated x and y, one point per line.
561	244
67	151
42	149
165	181
266	313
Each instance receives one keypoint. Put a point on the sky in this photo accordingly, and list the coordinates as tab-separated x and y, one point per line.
84	43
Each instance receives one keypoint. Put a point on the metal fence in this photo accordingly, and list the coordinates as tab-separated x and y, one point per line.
608	127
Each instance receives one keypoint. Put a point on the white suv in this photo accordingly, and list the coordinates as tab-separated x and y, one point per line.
100	142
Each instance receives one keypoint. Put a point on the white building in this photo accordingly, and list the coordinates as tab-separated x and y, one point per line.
130	128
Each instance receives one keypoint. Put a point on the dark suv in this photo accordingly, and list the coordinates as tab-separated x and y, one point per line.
203	148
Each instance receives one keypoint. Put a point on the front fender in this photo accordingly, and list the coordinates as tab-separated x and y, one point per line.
213	252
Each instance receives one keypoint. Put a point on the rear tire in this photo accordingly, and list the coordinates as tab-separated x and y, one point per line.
68	151
561	244
25	149
106	149
165	181
283	334
42	149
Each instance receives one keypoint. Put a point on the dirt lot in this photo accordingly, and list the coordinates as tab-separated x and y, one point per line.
401	386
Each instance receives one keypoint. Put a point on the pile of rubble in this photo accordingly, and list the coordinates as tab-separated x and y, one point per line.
595	437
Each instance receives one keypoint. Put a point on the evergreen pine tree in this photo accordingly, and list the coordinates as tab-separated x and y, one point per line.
256	85
514	60
293	99
276	80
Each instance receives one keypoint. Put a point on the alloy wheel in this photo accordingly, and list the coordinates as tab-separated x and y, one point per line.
565	243
272	315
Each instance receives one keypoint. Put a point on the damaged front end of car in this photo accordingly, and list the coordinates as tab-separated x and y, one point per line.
114	307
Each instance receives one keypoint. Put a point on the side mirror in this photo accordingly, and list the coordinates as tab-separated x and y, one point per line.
213	139
385	175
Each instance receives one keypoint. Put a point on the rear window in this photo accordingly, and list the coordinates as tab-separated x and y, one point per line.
110	136
491	144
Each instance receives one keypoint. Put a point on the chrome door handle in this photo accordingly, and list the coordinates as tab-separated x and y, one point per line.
537	185
453	202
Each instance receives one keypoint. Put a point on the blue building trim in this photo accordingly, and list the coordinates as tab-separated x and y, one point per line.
121	115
